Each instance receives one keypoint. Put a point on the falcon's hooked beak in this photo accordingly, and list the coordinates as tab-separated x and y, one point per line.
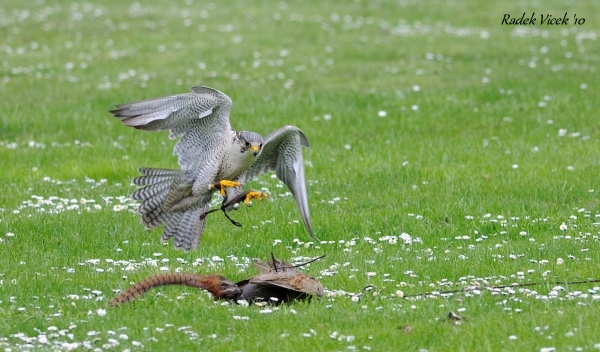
255	149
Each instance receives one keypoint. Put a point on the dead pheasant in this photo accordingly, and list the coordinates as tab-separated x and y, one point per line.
278	282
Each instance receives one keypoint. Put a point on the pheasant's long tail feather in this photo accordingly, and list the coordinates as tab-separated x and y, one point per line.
215	284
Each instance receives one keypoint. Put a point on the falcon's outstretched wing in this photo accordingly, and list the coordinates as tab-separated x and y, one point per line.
282	152
200	118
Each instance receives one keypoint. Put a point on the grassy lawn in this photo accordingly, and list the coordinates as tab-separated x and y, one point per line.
447	151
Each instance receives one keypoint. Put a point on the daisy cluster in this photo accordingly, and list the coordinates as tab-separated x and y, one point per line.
66	339
57	204
125	266
40	145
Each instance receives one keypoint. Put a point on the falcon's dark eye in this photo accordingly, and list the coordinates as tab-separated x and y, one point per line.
260	146
247	144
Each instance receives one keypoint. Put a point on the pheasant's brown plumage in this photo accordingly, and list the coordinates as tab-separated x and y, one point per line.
279	282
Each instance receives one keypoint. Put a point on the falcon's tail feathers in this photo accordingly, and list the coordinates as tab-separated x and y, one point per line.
166	197
188	230
158	184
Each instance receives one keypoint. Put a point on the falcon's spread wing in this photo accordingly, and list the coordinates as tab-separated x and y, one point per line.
282	153
200	118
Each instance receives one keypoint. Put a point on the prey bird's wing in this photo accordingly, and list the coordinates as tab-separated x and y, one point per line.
282	153
200	118
293	280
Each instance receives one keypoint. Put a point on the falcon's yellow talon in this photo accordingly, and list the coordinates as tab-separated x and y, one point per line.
223	184
254	195
227	183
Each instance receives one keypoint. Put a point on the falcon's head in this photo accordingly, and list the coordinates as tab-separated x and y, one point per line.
250	142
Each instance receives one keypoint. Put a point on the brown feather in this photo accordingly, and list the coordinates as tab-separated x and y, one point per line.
219	286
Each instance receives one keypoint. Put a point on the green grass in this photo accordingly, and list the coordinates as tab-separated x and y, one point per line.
489	142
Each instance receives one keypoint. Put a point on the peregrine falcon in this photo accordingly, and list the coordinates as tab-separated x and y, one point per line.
212	157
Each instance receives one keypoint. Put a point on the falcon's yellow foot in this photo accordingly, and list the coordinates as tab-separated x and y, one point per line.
223	184
254	195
